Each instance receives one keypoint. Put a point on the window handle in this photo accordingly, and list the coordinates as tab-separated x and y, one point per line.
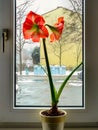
4	38
3	44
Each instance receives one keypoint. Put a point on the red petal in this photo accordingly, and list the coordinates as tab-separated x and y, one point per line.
58	29
27	34
39	20
43	32
35	38
61	20
27	24
52	37
35	18
34	28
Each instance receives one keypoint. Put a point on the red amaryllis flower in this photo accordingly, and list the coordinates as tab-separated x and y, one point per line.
34	27
57	29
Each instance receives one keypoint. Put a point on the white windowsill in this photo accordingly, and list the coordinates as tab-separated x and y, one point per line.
41	129
37	126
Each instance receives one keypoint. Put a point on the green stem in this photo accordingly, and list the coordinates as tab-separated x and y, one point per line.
52	88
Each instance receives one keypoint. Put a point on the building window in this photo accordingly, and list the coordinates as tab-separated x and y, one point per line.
31	88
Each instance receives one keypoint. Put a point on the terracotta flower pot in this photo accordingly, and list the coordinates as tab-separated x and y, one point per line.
53	122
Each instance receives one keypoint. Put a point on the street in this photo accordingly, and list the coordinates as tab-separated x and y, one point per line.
34	91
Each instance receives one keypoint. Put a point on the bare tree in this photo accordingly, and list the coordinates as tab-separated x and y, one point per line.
21	11
78	8
71	34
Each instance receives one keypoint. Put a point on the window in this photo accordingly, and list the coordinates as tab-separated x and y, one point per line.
64	55
88	116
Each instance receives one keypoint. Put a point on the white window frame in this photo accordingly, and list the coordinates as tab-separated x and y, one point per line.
87	115
14	65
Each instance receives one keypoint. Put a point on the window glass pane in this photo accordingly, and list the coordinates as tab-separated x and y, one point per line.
31	86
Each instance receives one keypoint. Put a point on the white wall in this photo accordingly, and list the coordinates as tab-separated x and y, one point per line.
90	114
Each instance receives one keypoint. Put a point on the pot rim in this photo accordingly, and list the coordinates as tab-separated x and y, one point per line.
65	113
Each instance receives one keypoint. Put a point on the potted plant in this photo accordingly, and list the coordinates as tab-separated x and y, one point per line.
35	28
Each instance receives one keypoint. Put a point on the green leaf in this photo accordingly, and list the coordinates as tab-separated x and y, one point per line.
66	80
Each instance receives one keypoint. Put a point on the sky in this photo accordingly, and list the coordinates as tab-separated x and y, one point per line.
48	5
43	6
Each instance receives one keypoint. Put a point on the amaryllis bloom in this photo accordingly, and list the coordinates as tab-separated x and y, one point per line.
57	29
34	27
